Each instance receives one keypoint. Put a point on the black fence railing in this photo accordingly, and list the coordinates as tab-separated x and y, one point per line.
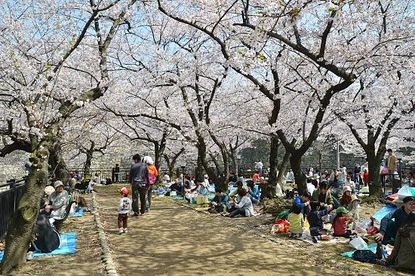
10	193
104	174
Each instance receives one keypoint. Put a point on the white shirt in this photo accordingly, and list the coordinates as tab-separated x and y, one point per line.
310	188
246	204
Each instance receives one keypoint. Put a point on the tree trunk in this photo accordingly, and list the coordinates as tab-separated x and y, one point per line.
19	231
172	163
201	157
58	169
88	162
269	189
283	168
375	187
300	179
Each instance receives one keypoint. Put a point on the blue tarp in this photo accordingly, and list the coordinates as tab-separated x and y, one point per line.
67	246
78	213
384	211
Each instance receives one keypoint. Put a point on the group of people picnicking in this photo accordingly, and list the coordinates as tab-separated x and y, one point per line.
329	198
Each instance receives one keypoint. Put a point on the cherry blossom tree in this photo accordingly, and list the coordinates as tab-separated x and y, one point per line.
54	59
325	46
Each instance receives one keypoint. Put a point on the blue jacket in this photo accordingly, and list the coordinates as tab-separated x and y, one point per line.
298	202
314	218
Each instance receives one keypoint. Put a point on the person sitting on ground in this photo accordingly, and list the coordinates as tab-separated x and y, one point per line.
244	207
239	186
218	202
403	253
350	183
124	207
350	202
253	192
241	178
303	202
58	202
296	220
323	195
341	222
311	185
72	182
166	179
46	237
392	221
45	199
201	188
176	187
315	219
256	177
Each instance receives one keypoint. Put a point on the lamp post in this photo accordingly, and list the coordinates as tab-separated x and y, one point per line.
183	166
238	163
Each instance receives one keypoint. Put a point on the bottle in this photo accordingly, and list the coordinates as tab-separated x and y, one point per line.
379	251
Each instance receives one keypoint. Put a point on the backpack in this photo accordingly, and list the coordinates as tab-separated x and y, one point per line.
365	256
152	178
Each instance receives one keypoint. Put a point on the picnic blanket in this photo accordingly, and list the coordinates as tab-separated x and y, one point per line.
77	213
371	247
67	246
380	214
406	191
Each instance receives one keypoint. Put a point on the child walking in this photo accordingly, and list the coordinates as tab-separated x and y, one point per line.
124	208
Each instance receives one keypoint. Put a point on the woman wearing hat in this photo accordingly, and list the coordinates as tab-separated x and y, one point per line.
350	202
58	201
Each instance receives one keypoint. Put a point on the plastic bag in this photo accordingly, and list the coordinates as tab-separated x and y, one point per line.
280	226
283	214
365	256
358	243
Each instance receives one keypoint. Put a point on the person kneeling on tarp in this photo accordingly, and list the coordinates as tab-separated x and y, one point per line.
392	221
46	238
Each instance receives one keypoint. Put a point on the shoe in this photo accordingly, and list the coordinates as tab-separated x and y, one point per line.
125	230
136	214
314	238
120	231
29	256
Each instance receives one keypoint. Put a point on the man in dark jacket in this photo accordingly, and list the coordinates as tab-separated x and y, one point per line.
392	221
139	184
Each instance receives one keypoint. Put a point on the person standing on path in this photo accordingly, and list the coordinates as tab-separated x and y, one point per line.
392	169
116	171
124	207
152	175
139	184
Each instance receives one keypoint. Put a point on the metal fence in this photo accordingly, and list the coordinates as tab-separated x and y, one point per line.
10	194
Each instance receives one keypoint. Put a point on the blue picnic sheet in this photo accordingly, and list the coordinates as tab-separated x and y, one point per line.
388	208
78	213
67	246
371	247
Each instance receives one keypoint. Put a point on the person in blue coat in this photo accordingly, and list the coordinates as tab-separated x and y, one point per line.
303	202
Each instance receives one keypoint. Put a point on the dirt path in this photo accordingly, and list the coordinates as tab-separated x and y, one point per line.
176	240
